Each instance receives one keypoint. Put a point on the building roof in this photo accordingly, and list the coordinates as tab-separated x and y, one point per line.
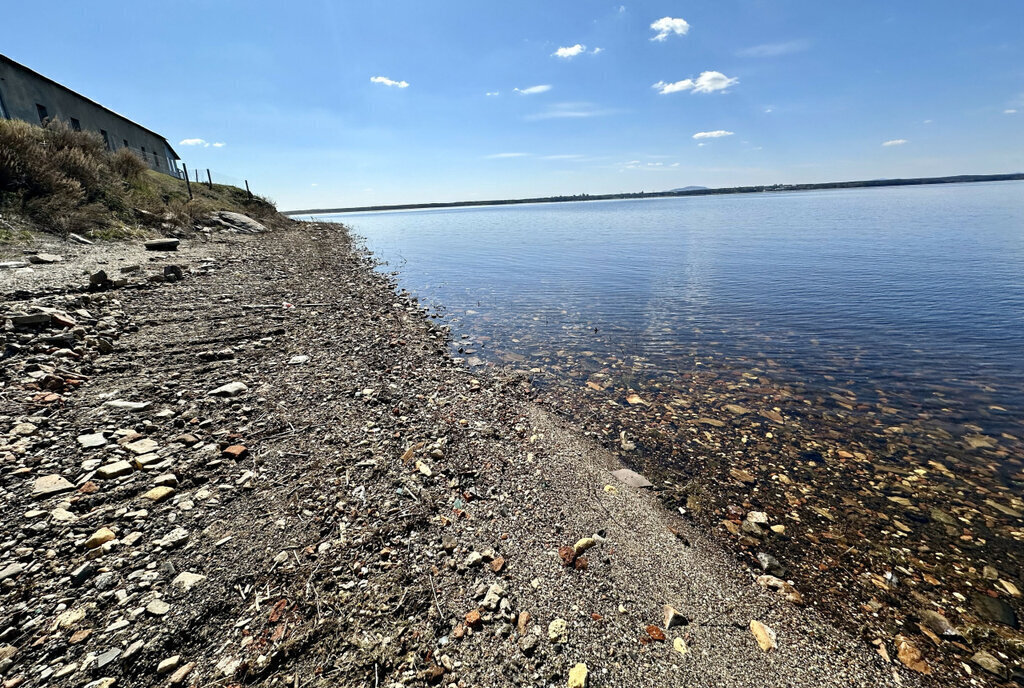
8	60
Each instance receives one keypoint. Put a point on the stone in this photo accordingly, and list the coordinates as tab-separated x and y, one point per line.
179	676
166	244
24	429
69	618
107	657
989	663
10	571
157	608
135	406
473	558
166	480
736	409
298	360
583	544
236	222
168	665
82	573
771	564
679	645
63	516
578	676
185	581
92	441
558	630
473	619
632	478
527	644
100	537
176	538
114	470
232	389
50	485
45	258
79	239
937	623
493	597
764	635
236	451
673	617
743	476
993	609
910	656
143	446
159	494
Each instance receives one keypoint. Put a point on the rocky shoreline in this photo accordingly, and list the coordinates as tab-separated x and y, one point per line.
249	461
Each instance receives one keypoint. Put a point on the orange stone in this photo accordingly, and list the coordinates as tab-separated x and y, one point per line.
236	451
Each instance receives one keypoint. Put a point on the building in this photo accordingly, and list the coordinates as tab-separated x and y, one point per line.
30	96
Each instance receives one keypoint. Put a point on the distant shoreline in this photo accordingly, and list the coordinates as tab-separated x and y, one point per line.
958	179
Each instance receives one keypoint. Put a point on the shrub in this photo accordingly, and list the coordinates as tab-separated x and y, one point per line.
128	165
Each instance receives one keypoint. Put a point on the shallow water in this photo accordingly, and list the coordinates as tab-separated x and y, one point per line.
910	294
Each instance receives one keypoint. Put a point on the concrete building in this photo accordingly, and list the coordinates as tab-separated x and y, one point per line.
30	96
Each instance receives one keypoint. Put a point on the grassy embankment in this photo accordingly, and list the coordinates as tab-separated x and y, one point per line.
56	180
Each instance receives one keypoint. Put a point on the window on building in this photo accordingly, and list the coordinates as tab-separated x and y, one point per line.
3	108
143	152
106	139
156	159
41	111
126	143
76	125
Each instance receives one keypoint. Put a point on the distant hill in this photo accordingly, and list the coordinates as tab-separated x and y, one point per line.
688	188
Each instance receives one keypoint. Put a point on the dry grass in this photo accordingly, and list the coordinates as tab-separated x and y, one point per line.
64	181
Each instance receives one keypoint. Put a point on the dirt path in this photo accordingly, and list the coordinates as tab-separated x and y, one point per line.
358	511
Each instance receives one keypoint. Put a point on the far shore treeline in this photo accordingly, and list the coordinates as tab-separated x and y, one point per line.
958	179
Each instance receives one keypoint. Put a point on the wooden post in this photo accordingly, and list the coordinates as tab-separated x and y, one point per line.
197	175
188	185
209	179
247	189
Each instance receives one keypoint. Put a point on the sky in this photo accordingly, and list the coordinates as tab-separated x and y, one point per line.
322	103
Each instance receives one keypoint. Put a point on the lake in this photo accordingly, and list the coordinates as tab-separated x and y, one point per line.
917	291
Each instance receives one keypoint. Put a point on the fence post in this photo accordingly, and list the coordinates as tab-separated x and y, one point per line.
247	189
197	175
188	184
209	179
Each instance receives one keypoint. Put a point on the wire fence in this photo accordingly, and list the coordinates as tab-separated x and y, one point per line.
209	177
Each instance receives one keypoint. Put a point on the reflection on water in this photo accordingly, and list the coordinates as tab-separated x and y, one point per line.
850	363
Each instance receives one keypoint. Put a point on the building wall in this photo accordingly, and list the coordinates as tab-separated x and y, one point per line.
21	91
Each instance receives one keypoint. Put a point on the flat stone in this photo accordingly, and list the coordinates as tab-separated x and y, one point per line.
129	405
185	581
232	389
994	610
157	608
92	441
107	657
159	494
45	258
632	478
168	244
24	430
181	674
114	470
176	538
298	360
143	446
51	485
989	663
764	635
168	665
10	571
99	537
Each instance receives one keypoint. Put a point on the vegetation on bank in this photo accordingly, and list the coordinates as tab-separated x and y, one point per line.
58	180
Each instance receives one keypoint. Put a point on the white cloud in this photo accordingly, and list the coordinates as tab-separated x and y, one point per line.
1009	111
775	49
540	88
572	156
675	164
493	93
389	82
716	134
595	51
501	156
569	111
666	26
201	143
707	82
895	142
570	51
927	121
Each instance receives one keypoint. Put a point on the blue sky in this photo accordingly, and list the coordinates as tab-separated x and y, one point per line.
351	103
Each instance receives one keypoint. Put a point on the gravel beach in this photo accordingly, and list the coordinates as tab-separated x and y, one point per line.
250	461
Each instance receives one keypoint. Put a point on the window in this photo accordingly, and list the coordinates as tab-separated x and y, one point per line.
3	108
156	160
106	139
126	143
41	111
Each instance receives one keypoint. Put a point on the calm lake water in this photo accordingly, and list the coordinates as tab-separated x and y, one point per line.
914	293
